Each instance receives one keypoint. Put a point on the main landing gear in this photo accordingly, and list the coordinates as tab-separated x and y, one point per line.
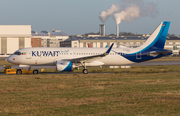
85	71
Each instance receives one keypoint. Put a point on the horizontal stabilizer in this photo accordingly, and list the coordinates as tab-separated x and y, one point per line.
157	53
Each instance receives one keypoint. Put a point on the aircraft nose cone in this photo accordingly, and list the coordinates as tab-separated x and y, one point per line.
9	59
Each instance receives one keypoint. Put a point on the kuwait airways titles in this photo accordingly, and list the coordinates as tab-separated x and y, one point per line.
48	53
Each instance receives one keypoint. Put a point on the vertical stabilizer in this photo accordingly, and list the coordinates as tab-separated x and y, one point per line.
158	37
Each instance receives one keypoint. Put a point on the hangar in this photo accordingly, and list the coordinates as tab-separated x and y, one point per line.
14	37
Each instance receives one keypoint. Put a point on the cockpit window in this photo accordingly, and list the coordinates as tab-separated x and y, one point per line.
17	53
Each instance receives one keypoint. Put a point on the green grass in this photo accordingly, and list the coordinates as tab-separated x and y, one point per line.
91	94
3	62
166	59
133	69
140	90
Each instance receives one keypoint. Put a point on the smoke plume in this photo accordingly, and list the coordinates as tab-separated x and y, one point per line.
104	14
130	10
128	14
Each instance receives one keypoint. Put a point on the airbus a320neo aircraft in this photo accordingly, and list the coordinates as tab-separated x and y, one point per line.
65	59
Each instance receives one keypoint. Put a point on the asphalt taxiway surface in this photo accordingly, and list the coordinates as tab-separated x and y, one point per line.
135	64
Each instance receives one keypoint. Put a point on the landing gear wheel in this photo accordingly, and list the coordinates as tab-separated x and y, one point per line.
19	71
35	72
85	71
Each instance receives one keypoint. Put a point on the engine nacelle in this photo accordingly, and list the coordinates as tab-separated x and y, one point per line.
64	65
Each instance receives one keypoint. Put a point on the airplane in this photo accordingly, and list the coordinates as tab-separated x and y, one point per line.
90	46
66	59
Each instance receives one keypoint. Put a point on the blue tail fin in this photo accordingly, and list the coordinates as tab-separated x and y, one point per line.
162	35
158	37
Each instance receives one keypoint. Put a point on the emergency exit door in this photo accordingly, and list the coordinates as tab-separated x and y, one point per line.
28	54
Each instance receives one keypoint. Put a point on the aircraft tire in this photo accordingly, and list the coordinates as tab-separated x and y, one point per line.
85	71
35	71
19	71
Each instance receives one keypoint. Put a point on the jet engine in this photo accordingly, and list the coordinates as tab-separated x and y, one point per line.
64	65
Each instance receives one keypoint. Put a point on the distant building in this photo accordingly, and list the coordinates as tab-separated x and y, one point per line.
102	41
172	43
49	39
35	42
14	37
94	35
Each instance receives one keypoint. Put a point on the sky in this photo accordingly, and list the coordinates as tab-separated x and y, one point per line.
75	17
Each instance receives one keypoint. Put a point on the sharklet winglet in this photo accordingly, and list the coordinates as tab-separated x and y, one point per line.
109	49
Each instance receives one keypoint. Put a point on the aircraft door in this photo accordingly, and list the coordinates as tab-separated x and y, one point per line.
138	55
28	54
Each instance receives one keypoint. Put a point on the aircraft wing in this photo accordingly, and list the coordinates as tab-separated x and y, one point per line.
90	58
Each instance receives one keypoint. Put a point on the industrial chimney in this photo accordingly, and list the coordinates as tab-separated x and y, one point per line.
102	30
117	30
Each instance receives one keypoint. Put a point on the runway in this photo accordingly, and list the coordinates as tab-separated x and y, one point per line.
135	64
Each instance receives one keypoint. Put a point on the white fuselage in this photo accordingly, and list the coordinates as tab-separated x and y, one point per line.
49	56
